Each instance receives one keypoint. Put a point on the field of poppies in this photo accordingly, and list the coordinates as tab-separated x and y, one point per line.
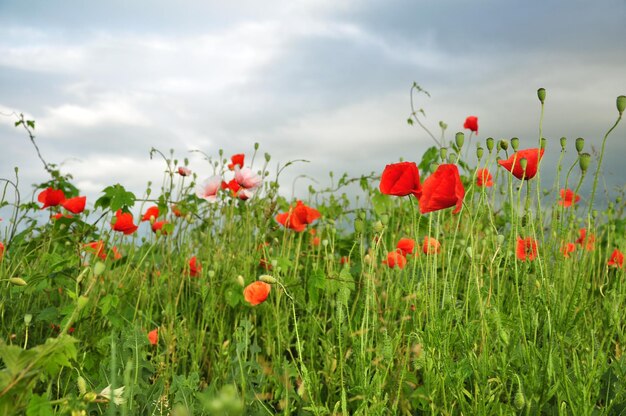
452	285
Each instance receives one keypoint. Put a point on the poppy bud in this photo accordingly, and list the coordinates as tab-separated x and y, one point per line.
452	158
543	142
490	143
515	143
459	139
443	153
479	152
98	268
580	143
541	94
433	167
583	161
563	141
443	125
240	281
384	218
621	104
594	214
362	215
82	302
503	144
500	239
27	318
267	279
378	226
523	162
90	397
367	259
358	225
267	157
211	273
17	281
256	145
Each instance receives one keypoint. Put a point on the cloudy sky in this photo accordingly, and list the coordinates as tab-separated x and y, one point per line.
323	80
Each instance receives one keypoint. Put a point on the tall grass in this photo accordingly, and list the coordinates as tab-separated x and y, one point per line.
470	329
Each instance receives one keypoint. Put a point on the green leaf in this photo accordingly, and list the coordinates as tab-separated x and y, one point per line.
430	156
39	406
31	123
115	197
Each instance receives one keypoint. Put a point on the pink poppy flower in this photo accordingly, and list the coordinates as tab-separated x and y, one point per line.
207	190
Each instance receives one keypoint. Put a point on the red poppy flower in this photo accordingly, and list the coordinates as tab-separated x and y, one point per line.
153	336
123	222
298	217
401	179
568	198
471	123
484	178
586	241
1	250
75	205
344	260
406	246
617	259
526	248
431	245
395	258
97	248
567	249
194	267
512	164
116	253
176	211
315	241
443	189
183	171
236	160
158	225
51	197
153	211
256	292
59	215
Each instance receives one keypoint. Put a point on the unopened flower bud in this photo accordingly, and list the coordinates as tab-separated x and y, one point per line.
519	401
580	144
267	157
367	259
443	153
358	225
594	214
563	142
82	385
459	139
90	397
443	125
543	142
211	273
479	152
28	318
500	239
378	226
503	144
452	158
240	281
98	268
523	162
384	218
490	143
267	279
81	302
17	281
621	104
541	94
515	143
256	145
583	161
433	167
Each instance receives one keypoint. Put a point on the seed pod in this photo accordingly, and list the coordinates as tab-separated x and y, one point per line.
479	152
515	143
443	153
621	104
503	144
580	144
563	142
490	143
459	139
543	142
583	161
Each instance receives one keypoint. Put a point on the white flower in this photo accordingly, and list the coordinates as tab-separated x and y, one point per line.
208	188
117	394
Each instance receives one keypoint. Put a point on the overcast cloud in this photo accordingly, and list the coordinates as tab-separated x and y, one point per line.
107	81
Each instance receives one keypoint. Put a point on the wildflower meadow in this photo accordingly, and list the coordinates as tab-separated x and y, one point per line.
456	283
